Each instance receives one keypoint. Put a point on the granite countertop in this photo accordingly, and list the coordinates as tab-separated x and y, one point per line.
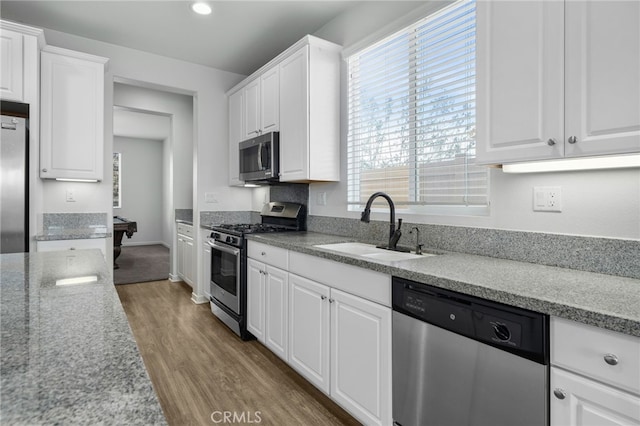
185	221
63	233
605	301
67	352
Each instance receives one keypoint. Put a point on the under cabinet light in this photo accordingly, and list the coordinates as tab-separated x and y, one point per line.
588	163
76	180
251	185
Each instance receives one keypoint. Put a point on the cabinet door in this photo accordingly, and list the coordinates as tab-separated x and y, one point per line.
188	261
361	357
309	330
270	100
276	311
520	79
236	135
72	121
11	73
181	256
255	298
251	115
587	402
206	270
603	83
294	117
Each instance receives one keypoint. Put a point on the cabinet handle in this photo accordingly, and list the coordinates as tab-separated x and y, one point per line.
331	300
559	393
611	359
572	139
323	297
44	170
551	142
263	253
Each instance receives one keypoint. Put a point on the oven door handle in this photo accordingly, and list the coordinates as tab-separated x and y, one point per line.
231	250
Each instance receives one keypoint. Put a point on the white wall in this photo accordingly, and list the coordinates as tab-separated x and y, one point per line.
595	203
206	85
141	192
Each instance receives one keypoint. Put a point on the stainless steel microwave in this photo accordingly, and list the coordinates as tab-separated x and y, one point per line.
260	158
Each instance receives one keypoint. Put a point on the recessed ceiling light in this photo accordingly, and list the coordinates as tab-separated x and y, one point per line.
201	8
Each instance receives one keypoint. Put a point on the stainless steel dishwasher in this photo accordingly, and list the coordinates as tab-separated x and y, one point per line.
460	360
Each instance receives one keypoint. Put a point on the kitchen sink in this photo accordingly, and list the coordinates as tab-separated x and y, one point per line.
370	251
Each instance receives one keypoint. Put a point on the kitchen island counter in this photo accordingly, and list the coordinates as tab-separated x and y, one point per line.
67	352
605	301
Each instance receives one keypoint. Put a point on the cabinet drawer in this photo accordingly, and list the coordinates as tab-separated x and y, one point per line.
274	256
582	348
371	285
185	229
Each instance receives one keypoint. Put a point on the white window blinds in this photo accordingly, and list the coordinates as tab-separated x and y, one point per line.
412	115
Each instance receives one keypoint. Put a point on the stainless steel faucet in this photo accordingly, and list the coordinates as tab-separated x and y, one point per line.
394	234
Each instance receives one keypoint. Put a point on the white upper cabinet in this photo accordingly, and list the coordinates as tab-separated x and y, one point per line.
310	113
19	63
270	101
72	109
261	110
11	73
561	83
602	65
236	135
297	94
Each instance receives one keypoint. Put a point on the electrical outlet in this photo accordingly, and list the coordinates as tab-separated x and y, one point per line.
70	196
547	199
321	199
210	197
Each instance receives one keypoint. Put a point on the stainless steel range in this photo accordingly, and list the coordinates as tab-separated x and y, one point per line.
228	283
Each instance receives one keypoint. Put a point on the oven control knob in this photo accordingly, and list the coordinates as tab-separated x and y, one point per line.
215	235
501	332
234	240
228	240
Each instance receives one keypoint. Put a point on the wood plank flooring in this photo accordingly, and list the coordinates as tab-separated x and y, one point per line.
200	368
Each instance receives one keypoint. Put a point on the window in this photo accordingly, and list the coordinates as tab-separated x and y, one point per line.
412	117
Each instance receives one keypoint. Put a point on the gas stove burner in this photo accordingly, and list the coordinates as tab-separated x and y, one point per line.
252	228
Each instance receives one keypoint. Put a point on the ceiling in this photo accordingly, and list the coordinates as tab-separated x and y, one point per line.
239	36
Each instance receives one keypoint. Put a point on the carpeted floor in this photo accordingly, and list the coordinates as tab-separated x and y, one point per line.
141	264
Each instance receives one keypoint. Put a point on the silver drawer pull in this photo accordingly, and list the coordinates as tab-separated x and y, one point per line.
572	139
611	359
551	142
559	393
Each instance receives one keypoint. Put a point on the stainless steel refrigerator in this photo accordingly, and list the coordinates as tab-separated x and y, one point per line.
13	185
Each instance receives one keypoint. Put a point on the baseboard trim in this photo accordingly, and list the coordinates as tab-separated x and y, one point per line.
174	278
198	299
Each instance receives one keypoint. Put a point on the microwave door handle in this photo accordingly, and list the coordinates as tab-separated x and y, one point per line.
260	147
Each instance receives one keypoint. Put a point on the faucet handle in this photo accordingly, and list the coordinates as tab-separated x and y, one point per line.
399	224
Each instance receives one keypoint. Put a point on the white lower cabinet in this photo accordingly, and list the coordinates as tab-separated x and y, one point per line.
342	344
330	321
361	357
185	252
267	305
595	376
205	269
309	329
581	402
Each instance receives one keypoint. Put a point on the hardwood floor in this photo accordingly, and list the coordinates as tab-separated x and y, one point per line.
199	368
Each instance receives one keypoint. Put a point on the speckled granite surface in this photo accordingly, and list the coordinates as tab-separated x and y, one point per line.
73	226
210	218
605	301
184	215
67	353
602	255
